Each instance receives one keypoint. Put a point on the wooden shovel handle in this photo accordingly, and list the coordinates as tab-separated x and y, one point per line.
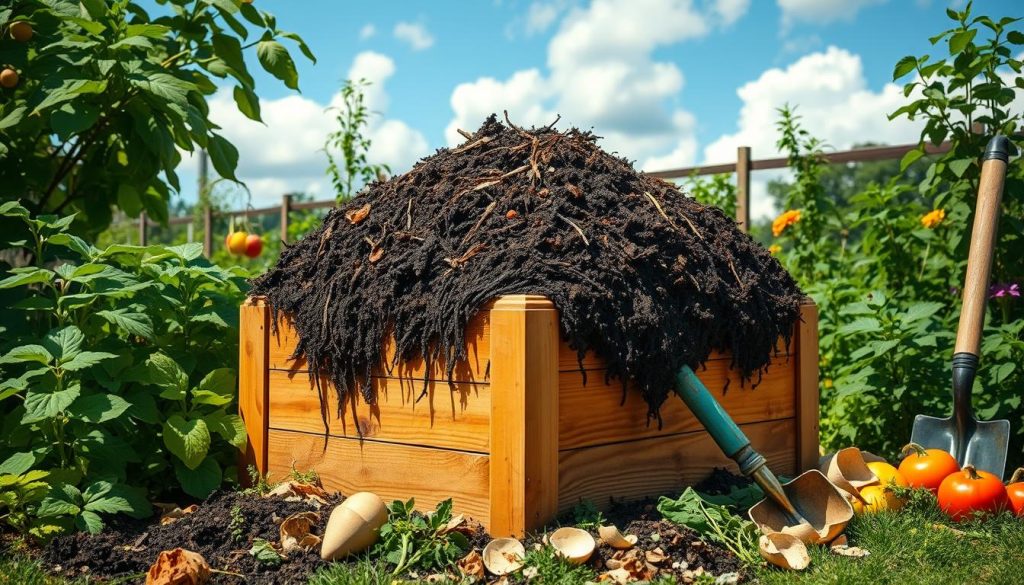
983	239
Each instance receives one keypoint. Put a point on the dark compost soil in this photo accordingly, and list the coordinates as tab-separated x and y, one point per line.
644	276
130	547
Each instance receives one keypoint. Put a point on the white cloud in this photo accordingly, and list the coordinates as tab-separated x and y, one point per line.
821	11
831	96
285	153
541	15
367	31
602	74
416	35
731	10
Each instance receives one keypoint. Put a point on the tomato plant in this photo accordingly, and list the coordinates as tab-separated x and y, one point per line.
971	491
111	93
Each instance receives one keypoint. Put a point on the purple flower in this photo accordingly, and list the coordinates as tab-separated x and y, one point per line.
1004	289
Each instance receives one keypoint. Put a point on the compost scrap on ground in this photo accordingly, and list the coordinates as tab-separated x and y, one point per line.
642	275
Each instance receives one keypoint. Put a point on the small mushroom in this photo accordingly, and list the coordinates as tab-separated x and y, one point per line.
784	550
573	544
503	556
615	539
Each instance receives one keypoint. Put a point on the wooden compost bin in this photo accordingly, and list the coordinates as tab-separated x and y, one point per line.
518	445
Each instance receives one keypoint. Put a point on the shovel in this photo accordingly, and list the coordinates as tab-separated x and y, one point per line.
982	444
809	506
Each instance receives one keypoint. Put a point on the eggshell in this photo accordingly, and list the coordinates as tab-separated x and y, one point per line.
573	544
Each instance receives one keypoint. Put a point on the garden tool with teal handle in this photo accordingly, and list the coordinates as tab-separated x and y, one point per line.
731	439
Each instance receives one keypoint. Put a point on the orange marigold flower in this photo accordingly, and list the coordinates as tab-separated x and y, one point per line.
785	220
774	249
933	218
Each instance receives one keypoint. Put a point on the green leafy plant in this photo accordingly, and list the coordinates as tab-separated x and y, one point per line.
714	521
350	142
410	540
717	190
547	566
237	524
20	496
109	355
585	515
84	506
109	95
265	553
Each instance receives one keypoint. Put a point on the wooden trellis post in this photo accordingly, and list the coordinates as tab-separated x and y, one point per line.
743	188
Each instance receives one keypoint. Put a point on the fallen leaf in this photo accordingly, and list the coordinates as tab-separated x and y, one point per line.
178	567
357	216
472	565
177	514
296	530
298	491
655	556
376	254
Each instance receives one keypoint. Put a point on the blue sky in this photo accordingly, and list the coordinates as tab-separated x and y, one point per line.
669	82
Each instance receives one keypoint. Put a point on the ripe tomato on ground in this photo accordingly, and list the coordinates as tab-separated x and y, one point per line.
926	468
887	474
1015	492
876	499
966	492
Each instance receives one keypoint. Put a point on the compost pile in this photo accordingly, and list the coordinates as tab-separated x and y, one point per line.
642	275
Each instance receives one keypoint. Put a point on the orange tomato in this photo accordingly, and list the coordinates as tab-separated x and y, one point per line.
926	468
21	31
9	78
970	491
1015	492
887	474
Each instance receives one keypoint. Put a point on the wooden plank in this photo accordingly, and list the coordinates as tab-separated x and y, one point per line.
388	470
524	414
253	398
662	465
284	341
455	417
591	414
567	361
807	388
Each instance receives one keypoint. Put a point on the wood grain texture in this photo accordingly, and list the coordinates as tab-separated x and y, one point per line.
253	397
591	414
807	427
524	419
662	465
452	417
388	470
474	369
979	259
568	362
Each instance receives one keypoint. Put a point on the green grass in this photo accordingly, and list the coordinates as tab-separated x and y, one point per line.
915	545
918	546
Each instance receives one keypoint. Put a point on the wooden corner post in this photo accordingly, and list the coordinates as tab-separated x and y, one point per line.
807	441
524	414
253	382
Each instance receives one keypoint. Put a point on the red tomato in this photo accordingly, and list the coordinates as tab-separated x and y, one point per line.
969	491
926	468
253	245
1015	492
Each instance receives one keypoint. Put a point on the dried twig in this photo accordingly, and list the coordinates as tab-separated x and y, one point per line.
408	215
483	217
576	227
466	135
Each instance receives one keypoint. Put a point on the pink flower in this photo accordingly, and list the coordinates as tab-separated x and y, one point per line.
1004	289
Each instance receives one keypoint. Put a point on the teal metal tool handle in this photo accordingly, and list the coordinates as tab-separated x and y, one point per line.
718	423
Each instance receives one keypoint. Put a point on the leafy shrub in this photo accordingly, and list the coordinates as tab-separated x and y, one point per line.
112	379
412	541
886	265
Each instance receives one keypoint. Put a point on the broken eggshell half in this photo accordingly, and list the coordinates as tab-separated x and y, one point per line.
573	544
821	503
353	525
784	550
503	556
615	539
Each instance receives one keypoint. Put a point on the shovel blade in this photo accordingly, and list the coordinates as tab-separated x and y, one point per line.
984	446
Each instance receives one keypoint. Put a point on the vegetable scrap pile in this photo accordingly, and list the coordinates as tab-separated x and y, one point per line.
642	275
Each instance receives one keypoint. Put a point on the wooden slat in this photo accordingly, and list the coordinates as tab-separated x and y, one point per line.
388	470
663	465
567	361
282	345
455	417
591	415
254	322
807	388
524	414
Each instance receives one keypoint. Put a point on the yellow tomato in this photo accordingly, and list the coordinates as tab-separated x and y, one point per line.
236	243
876	499
887	474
